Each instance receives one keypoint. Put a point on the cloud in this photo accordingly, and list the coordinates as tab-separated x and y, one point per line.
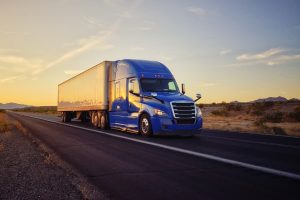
147	25
12	78
196	11
209	84
19	64
14	60
260	56
91	42
14	33
144	28
31	68
85	44
92	21
166	58
149	22
283	59
9	50
224	52
137	48
73	72
276	59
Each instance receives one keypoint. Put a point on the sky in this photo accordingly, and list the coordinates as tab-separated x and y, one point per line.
226	50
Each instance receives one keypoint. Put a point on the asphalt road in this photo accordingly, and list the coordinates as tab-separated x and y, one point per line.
213	165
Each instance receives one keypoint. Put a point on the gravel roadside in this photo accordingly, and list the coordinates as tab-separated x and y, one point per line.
29	170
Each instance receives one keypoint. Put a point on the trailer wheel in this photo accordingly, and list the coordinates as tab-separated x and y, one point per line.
95	119
63	117
145	126
68	116
103	121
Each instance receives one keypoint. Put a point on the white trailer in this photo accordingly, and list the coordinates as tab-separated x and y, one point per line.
88	91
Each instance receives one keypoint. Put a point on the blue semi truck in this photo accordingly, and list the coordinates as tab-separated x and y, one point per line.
130	95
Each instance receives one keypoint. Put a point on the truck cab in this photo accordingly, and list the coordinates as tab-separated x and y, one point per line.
145	98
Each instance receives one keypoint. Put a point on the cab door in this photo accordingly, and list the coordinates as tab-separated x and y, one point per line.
119	112
134	103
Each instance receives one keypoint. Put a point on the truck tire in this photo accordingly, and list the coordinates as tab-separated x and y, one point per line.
145	126
68	116
96	119
63	117
103	121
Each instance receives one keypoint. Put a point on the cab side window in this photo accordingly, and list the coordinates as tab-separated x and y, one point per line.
134	86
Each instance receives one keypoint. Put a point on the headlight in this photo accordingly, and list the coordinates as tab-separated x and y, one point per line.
159	112
199	113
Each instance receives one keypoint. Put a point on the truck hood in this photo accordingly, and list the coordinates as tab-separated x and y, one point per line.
169	97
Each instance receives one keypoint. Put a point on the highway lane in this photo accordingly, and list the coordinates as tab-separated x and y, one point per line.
130	170
282	153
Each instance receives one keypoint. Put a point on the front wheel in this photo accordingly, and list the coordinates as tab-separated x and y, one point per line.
145	126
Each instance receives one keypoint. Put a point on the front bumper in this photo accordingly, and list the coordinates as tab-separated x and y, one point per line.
167	126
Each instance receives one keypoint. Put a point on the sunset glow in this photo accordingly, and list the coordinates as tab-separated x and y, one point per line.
238	50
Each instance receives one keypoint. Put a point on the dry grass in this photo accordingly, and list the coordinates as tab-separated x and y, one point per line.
52	110
268	118
20	127
1	147
4	126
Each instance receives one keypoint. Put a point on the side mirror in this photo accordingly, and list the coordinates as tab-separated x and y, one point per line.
183	88
198	96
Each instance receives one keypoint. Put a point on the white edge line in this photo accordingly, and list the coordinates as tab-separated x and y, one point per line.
258	134
254	142
201	155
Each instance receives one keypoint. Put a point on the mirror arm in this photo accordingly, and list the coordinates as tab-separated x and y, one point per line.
183	89
197	99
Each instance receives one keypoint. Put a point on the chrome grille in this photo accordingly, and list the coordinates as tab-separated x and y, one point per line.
183	110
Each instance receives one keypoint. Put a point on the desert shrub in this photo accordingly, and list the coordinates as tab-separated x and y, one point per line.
275	117
278	131
257	112
201	105
259	108
268	104
259	123
233	107
296	114
40	109
220	112
213	104
262	105
223	103
2	111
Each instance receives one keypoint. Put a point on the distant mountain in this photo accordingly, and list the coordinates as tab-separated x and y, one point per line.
235	102
294	99
270	99
9	106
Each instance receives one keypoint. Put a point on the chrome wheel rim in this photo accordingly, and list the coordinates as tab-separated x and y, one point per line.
145	125
95	120
102	122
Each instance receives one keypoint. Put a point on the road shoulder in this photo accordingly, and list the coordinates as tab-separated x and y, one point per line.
29	169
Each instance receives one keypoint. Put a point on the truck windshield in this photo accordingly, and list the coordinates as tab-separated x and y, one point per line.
158	85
